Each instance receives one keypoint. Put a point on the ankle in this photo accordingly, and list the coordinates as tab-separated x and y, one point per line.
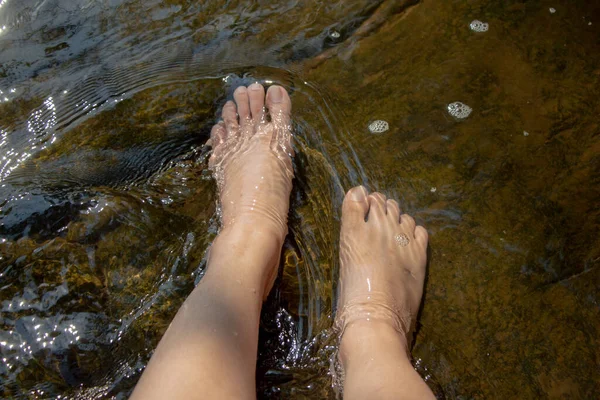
364	339
254	228
245	252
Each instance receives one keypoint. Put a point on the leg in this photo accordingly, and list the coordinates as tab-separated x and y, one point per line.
382	261
209	350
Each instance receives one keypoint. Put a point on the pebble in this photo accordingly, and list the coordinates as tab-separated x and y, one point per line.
459	110
335	34
525	133
433	189
379	126
552	10
478	26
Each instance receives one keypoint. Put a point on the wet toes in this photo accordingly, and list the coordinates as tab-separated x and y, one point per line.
256	94
280	106
243	105
355	206
377	206
393	210
218	134
407	222
421	236
229	115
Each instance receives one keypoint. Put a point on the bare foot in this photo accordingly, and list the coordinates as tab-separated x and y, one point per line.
216	329
383	257
252	165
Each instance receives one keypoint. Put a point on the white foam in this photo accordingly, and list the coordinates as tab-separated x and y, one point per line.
379	126
478	26
459	110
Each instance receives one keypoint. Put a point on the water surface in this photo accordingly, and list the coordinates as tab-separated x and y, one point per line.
107	207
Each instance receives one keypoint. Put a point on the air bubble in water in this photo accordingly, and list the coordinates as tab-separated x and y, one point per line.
459	110
379	126
478	26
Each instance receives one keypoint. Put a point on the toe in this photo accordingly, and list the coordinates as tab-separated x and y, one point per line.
243	105
407	222
393	210
280	106
230	117
218	134
355	206
377	206
256	94
421	236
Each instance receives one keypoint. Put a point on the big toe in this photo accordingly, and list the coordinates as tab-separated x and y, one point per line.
355	206
279	103
280	106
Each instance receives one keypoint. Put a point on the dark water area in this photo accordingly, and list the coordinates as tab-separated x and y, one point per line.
107	207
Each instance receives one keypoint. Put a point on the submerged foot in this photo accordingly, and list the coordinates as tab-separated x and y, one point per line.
382	265
252	165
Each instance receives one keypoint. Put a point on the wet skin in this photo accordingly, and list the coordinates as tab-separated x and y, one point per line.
381	284
252	165
209	350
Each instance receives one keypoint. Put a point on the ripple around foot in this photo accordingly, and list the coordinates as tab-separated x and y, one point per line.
101	234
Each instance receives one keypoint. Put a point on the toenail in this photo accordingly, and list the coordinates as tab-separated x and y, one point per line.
241	89
256	86
276	95
358	194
